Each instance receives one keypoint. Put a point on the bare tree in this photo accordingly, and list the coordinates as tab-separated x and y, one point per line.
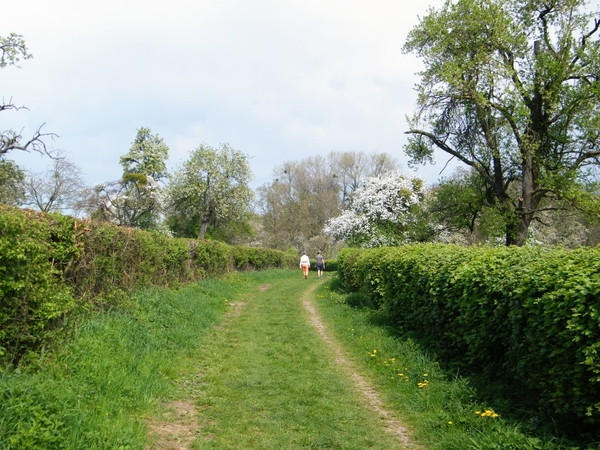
306	194
59	189
12	50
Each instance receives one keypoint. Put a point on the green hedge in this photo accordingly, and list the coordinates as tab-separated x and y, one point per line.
35	251
525	317
50	264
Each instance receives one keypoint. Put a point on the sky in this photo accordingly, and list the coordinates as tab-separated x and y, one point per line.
279	80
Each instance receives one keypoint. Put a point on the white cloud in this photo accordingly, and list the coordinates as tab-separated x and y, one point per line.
278	80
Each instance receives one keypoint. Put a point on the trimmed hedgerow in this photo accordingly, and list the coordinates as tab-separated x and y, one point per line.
528	318
35	251
50	264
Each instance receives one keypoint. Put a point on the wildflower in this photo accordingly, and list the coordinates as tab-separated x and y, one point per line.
487	413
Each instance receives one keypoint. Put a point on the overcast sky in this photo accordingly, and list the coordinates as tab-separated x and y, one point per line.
279	80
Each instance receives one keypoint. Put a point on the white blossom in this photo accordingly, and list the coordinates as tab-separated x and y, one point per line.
381	212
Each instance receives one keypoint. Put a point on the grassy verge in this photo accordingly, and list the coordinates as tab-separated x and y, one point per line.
269	381
257	374
441	409
95	390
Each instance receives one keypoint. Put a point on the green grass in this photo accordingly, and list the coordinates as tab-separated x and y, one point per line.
269	382
243	353
441	408
95	390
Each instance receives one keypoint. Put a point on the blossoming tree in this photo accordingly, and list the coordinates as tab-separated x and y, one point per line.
385	210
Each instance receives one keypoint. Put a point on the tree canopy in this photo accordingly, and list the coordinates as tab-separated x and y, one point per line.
511	89
210	187
134	200
384	212
305	194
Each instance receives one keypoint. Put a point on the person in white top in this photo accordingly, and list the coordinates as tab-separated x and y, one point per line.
305	264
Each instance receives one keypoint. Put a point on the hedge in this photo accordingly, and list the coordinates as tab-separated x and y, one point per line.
528	318
50	264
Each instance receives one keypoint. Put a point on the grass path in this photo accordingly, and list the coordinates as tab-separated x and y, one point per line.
271	377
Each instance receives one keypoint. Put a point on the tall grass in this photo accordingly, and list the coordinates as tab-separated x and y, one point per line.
94	391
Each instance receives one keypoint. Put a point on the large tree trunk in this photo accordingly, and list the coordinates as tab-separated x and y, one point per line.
203	227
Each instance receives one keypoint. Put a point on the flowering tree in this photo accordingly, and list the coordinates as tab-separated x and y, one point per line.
210	187
384	211
126	203
136	199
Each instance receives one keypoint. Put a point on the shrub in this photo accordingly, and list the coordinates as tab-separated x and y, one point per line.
528	318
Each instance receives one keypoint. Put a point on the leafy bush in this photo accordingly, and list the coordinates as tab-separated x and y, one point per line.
528	318
35	250
49	264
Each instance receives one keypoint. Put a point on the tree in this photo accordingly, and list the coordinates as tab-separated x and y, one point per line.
306	194
128	203
384	211
510	88
12	50
59	189
136	199
463	205
11	183
146	156
211	187
351	167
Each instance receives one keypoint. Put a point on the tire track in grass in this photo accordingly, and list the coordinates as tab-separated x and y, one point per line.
200	422
392	424
179	425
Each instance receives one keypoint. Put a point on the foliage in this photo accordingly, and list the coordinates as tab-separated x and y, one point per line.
136	199
510	88
383	212
210	188
504	314
130	202
50	264
146	156
306	194
11	183
35	251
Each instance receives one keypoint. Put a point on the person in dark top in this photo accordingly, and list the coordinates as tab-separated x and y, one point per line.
320	265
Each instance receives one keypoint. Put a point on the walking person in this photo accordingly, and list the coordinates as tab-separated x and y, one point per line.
320	265
304	264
